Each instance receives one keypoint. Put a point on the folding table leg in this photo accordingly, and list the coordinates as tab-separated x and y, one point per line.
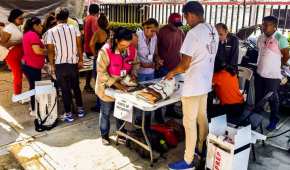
146	138
262	131
254	152
120	129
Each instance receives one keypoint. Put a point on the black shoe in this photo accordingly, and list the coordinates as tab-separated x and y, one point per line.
89	89
273	124
106	140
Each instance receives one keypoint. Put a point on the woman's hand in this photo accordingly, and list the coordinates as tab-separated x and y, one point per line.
120	86
52	71
38	50
148	65
133	77
80	64
159	64
170	75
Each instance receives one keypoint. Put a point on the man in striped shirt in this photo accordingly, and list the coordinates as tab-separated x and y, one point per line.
65	57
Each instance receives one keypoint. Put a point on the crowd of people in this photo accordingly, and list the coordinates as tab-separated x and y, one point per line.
207	55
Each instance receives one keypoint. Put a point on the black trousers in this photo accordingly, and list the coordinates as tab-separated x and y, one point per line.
264	86
32	75
67	76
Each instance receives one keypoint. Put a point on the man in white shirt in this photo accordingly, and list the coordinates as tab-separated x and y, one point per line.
65	57
273	52
198	54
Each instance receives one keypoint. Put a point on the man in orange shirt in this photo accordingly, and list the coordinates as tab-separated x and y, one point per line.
226	87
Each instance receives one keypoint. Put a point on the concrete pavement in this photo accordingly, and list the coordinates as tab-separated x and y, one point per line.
78	146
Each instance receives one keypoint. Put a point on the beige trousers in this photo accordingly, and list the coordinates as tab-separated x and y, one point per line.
195	123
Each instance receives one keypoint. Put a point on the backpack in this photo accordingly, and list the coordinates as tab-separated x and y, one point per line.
46	111
167	133
156	139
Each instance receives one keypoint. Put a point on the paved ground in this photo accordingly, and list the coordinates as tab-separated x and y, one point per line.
78	146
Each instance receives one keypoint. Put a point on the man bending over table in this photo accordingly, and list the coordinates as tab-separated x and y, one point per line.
198	54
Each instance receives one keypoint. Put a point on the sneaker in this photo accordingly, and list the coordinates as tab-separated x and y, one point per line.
81	112
68	118
273	124
89	89
106	140
181	165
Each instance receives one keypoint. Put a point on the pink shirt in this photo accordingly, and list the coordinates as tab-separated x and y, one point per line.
30	58
91	26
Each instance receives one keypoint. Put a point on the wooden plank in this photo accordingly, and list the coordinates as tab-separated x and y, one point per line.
28	158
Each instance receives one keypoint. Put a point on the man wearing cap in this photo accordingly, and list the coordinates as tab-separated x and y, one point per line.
197	63
168	50
169	46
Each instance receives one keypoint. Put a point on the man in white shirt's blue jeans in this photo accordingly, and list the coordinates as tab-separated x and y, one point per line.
198	54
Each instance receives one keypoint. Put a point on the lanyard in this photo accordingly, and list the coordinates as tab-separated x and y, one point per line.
148	45
210	28
211	47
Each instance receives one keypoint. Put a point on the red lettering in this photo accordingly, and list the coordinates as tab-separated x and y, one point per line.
217	161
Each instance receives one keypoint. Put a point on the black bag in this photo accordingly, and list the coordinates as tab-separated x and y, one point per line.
156	139
40	127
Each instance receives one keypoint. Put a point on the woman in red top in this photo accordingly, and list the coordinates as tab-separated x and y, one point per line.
33	59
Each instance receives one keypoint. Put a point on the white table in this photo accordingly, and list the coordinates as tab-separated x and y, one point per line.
144	107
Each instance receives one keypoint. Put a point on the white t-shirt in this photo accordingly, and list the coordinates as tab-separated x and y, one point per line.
146	51
269	60
201	43
16	33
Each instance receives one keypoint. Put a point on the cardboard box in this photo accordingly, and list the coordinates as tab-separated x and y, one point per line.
228	148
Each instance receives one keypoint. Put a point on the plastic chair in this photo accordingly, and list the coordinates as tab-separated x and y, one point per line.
244	74
246	83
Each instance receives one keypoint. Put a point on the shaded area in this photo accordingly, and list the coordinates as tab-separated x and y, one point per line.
39	7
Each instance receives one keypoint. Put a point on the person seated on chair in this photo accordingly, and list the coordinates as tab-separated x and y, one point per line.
228	53
226	87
